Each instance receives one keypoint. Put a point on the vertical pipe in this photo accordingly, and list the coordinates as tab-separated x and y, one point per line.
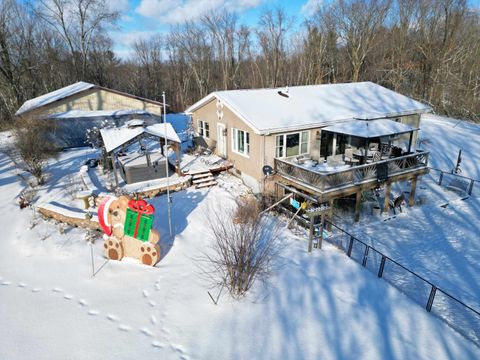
166	163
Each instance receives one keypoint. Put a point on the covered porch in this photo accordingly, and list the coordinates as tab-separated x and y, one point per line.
357	156
359	142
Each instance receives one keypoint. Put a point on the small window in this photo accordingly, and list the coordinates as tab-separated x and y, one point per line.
279	146
241	142
203	129
292	144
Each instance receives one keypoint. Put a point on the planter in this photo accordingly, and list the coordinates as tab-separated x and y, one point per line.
376	211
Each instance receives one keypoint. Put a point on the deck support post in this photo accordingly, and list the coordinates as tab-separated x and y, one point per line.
177	158
358	203
310	236
411	200
330	215
386	203
114	165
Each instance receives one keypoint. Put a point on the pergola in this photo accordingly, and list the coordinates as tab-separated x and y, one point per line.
116	139
372	129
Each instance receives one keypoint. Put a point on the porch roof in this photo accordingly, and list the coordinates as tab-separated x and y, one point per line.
370	129
115	137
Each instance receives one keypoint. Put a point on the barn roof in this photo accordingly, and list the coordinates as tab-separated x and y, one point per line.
69	91
303	107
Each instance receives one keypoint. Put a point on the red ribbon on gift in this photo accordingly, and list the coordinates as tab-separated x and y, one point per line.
141	207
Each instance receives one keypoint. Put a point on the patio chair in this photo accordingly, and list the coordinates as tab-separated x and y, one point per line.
349	158
377	156
385	150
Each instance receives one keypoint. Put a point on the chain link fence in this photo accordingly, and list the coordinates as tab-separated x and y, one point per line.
463	318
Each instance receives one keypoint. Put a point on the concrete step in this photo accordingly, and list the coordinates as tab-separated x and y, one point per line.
202	175
203	180
206	184
196	172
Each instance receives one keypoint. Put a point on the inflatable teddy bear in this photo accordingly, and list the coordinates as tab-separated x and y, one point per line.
127	224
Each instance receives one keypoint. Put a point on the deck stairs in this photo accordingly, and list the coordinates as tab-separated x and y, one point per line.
202	179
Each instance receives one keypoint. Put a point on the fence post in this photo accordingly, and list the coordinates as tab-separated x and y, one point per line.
365	256
350	246
431	298
382	266
470	188
441	178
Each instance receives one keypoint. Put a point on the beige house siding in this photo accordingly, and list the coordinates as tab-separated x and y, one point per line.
262	148
95	99
251	165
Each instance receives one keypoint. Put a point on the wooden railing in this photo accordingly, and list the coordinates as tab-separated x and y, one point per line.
352	176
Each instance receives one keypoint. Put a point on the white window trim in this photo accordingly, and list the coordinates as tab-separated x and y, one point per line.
199	122
299	143
234	130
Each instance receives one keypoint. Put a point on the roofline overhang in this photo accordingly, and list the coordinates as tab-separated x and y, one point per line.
265	132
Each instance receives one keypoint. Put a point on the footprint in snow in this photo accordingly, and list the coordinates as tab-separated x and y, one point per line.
157	286
158	344
6	283
123	327
36	290
22	285
146	331
153	319
57	290
112	317
93	312
152	303
82	302
68	297
145	293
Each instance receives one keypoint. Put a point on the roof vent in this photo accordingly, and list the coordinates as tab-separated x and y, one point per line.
284	93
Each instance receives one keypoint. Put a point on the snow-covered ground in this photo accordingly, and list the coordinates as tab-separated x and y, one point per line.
444	137
317	306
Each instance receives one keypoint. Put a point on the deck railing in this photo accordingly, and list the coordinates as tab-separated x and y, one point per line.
354	175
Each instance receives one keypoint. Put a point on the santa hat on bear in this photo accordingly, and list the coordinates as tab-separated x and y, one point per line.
103	214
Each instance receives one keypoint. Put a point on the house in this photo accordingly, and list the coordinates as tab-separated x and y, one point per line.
329	140
75	108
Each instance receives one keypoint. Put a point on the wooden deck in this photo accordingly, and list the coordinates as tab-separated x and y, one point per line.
326	186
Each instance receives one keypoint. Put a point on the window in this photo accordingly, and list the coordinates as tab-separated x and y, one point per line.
292	144
241	142
203	129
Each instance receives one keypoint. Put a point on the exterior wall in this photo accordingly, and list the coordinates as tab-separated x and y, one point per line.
251	165
95	99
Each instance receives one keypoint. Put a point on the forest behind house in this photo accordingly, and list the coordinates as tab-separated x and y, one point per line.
426	49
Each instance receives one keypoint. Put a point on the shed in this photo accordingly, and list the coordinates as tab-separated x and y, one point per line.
142	164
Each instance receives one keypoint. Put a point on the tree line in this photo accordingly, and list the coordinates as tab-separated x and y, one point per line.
426	49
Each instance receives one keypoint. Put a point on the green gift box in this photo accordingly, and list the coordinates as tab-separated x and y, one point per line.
138	221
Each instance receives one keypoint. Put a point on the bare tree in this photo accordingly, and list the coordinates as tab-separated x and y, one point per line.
273	26
245	247
32	147
358	23
78	22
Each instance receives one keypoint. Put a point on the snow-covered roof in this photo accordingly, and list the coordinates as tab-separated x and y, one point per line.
303	107
54	96
97	113
115	137
370	129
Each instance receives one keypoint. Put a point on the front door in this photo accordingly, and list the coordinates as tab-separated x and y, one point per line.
221	140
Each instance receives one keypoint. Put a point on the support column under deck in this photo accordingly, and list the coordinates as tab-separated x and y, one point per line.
411	200
386	203
358	203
